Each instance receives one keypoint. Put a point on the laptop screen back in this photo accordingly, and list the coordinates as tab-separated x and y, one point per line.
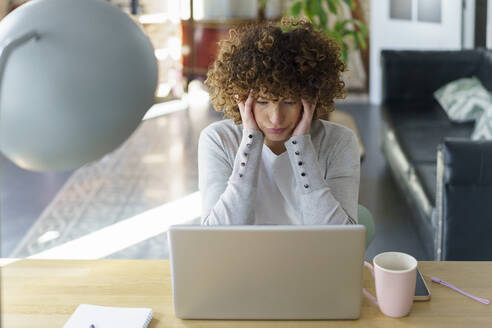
267	272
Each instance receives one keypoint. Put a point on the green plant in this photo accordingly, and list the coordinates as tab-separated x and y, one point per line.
343	30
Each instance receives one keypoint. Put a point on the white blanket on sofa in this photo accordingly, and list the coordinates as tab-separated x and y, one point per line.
466	100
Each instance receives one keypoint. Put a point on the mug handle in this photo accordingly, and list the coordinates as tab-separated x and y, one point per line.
364	291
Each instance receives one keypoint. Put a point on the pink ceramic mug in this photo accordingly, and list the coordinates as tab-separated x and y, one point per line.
394	275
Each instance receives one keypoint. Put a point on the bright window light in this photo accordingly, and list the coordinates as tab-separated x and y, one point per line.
163	90
161	53
166	108
174	47
126	233
48	236
153	18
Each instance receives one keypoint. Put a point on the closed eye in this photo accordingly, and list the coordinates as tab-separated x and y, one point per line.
261	102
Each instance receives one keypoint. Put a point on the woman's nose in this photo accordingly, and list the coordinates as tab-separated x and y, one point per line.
276	116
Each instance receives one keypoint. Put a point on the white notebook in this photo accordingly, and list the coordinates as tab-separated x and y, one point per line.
107	317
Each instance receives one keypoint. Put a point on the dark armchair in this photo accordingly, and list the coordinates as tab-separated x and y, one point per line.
464	200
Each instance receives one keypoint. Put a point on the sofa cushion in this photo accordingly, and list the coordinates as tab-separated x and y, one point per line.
420	144
416	114
483	127
464	99
419	131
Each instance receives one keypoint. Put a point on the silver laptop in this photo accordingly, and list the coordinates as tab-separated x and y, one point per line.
267	272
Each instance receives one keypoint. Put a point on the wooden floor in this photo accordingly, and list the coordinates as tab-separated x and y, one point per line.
26	194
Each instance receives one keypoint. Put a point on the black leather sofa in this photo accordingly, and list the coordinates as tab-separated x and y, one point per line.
446	177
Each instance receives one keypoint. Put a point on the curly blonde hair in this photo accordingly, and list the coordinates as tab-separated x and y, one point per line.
291	60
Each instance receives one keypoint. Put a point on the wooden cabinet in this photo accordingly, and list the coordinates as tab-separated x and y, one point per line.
200	44
208	21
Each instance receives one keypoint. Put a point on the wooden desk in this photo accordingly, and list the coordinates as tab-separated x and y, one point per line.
44	293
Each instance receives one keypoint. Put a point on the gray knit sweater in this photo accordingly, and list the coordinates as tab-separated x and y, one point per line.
326	163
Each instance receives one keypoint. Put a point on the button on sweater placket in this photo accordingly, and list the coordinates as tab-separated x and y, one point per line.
244	156
300	165
249	141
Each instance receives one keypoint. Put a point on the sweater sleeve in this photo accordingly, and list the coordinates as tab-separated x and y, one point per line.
228	192
330	198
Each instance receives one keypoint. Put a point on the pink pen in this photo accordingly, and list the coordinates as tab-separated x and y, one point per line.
447	284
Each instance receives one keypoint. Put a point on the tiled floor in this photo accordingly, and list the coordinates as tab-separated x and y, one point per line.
25	195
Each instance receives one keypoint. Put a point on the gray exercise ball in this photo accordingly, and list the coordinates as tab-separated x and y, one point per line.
77	90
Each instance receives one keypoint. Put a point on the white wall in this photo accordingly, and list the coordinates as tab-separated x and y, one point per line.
275	8
386	33
469	24
224	9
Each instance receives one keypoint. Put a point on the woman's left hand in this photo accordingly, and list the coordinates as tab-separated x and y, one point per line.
304	125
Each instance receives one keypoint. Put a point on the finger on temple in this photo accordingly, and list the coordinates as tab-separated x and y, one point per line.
307	105
250	99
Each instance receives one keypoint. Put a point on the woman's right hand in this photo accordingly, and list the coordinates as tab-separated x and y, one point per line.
247	113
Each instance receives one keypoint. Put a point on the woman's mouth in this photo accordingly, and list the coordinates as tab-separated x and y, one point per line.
276	131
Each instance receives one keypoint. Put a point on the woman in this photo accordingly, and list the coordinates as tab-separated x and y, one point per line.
273	161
